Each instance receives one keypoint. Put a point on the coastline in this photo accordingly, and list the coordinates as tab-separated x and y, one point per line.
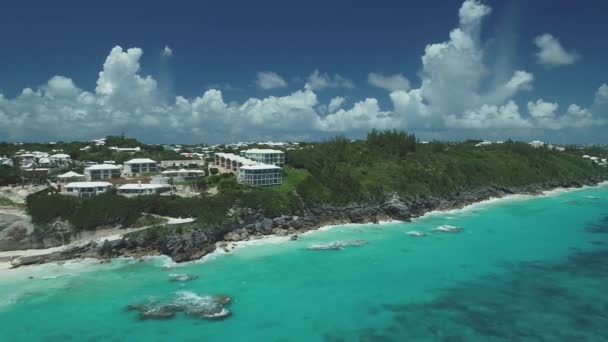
284	228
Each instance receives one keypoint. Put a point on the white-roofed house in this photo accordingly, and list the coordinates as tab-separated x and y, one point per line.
71	176
60	159
140	189
260	175
266	156
102	171
86	189
139	166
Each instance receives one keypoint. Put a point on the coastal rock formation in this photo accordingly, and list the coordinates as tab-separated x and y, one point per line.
252	224
15	231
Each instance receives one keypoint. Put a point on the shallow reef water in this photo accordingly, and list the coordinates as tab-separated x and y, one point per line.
519	269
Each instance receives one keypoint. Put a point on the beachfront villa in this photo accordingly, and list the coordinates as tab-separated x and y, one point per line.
86	189
183	174
249	171
102	171
71	176
265	156
139	166
260	175
139	189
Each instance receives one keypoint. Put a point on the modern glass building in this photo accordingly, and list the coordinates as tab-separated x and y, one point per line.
260	175
266	156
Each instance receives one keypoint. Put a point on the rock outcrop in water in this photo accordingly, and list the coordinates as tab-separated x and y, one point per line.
206	307
197	243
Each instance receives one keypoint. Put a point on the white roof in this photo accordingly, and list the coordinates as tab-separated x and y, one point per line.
182	171
103	167
87	184
140	186
263	150
61	156
70	174
259	167
140	161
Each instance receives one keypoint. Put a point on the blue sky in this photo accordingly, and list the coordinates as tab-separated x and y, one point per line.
243	70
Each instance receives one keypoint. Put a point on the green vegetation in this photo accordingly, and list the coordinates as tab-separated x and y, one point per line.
391	162
291	179
335	172
6	202
8	175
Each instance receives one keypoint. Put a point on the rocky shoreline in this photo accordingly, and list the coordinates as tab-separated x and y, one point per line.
200	242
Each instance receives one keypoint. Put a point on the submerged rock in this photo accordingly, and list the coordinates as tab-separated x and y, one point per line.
182	277
207	307
416	233
164	311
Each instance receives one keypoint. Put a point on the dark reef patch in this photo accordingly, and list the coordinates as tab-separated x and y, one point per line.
532	301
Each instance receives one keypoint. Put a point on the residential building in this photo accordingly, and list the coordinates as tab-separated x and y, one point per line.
60	159
260	175
139	166
249	171
6	161
228	162
167	164
71	176
183	174
125	149
265	156
86	189
102	171
140	189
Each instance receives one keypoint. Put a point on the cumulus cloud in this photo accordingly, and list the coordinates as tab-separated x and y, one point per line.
335	104
547	116
551	53
457	92
390	83
269	80
167	52
601	96
320	81
490	116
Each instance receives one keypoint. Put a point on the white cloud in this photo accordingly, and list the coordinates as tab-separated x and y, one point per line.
390	83
546	116
335	103
320	81
490	116
601	96
471	12
458	92
167	52
269	80
551	53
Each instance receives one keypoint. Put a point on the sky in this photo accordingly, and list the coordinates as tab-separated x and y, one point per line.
228	71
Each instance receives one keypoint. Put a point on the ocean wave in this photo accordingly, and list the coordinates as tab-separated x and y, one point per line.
337	245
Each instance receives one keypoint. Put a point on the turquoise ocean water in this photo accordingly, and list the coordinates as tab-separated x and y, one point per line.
522	269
